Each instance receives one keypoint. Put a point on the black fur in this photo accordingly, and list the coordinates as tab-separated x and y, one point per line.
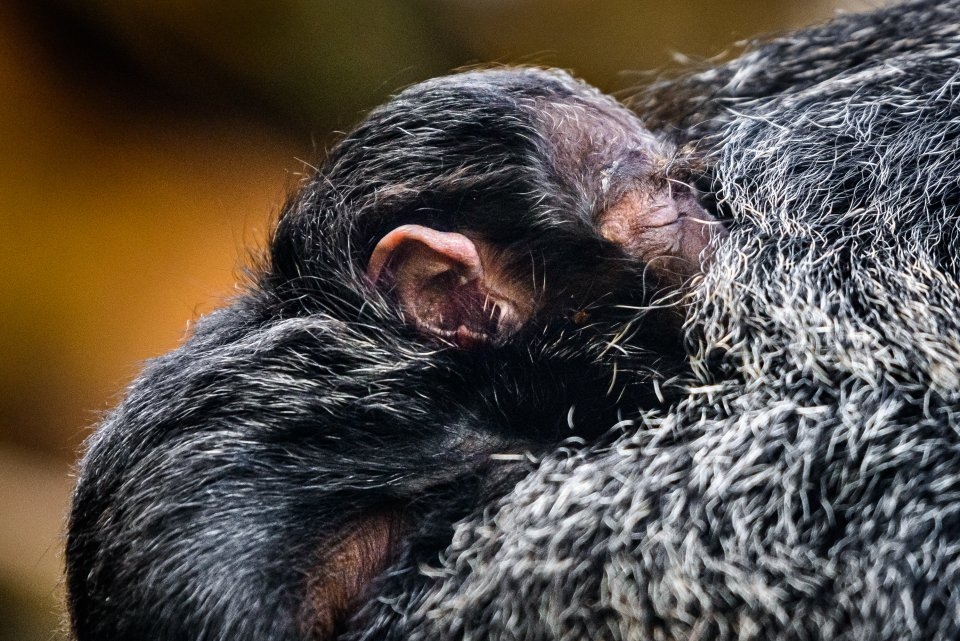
805	488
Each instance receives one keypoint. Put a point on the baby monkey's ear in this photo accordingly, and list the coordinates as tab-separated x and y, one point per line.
445	289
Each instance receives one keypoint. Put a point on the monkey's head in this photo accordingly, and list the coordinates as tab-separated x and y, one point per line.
489	205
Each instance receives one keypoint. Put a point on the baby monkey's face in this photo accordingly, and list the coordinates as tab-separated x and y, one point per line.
640	190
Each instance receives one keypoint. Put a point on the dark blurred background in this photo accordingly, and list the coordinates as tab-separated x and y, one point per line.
145	148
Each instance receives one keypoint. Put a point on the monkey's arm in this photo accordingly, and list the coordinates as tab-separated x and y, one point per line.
235	476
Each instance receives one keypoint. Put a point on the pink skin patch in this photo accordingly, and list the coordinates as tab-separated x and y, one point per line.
443	288
667	231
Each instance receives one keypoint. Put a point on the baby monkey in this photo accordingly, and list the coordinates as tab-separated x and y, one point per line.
479	269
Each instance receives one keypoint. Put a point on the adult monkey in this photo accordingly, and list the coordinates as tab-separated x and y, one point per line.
809	488
465	267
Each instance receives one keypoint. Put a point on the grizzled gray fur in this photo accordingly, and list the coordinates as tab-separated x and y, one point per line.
808	487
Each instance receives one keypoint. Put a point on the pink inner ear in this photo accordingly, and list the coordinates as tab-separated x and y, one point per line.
443	289
450	247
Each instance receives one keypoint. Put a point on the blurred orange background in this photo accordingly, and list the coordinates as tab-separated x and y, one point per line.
145	149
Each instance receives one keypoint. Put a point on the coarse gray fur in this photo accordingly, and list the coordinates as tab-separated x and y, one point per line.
808	487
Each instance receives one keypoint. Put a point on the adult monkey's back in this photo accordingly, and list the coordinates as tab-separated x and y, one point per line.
809	486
